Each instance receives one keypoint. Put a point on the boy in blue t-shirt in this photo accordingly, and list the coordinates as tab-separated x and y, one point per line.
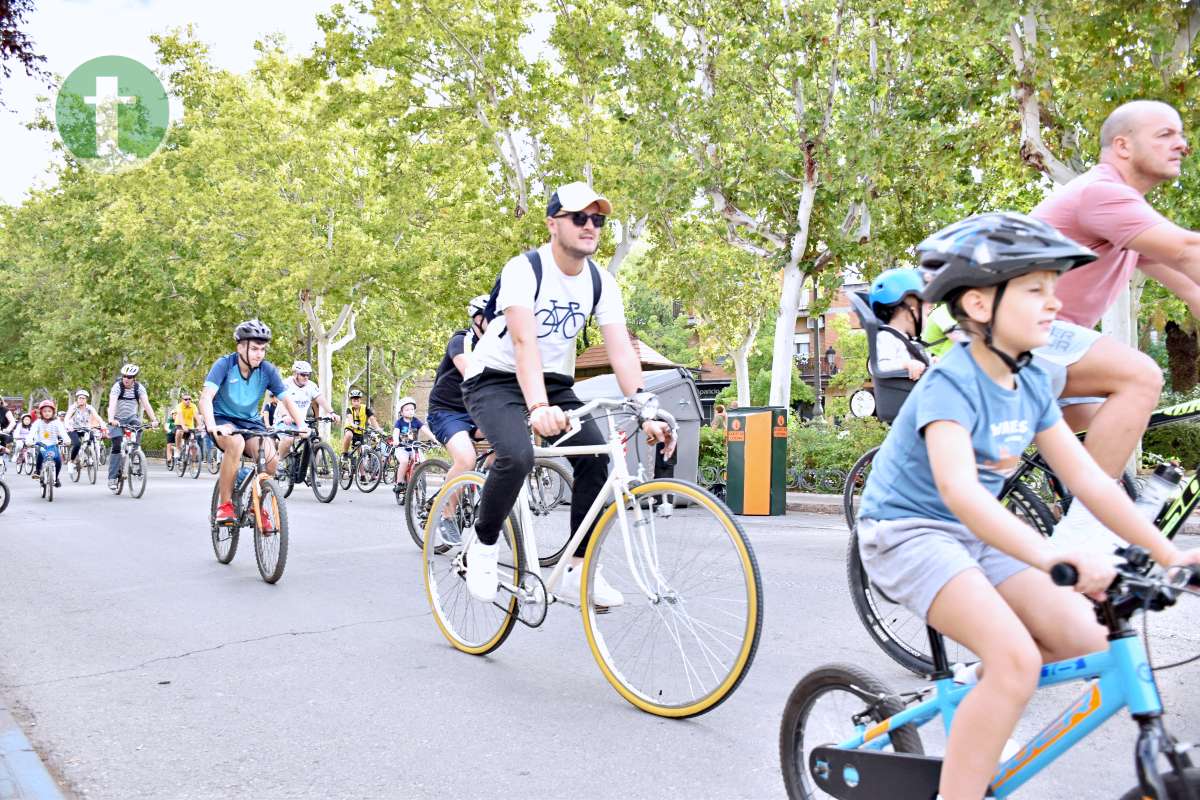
404	436
932	534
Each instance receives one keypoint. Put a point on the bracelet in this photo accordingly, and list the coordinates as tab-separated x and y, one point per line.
536	406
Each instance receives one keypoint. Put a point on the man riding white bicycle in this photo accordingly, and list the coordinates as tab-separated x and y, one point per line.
303	392
518	379
126	401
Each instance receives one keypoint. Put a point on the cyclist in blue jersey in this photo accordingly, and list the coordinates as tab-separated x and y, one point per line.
233	393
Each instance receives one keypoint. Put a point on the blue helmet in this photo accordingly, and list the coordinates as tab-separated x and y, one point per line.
893	285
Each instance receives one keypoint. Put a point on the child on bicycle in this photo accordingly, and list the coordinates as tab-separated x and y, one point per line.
895	297
404	436
47	434
932	534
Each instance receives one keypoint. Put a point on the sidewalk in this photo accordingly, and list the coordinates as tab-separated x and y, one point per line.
22	774
832	504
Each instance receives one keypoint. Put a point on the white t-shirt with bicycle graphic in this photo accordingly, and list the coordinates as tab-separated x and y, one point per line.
562	308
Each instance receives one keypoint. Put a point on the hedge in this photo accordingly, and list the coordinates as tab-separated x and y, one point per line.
1179	442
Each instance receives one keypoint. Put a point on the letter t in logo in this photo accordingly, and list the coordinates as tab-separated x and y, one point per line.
106	100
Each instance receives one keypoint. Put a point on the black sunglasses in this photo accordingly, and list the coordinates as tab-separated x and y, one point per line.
581	219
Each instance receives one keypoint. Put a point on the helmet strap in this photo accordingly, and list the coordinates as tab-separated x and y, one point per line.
1014	364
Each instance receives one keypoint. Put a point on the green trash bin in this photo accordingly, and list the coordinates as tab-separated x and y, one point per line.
756	463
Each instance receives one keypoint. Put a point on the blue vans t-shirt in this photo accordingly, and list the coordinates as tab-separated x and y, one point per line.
1002	423
238	398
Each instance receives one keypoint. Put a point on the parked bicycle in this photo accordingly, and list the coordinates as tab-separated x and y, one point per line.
845	734
258	506
1035	495
688	629
133	462
312	462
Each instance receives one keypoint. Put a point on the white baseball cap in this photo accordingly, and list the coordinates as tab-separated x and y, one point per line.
576	197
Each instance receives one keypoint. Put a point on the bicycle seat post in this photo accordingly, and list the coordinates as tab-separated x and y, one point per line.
937	648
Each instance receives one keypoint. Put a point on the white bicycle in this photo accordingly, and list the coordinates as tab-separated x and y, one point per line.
688	629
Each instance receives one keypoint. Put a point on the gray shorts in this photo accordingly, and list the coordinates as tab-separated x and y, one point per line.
1068	344
910	560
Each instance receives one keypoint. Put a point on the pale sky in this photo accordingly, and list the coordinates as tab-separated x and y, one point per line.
69	32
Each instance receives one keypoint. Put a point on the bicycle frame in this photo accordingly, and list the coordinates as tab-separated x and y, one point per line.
1117	678
619	480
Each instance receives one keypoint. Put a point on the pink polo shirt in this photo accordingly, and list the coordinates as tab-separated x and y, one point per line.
1103	213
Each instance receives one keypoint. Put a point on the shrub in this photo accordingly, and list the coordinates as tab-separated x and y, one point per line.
1180	442
154	439
817	444
712	448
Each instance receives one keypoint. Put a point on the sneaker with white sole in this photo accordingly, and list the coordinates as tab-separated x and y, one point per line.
603	593
483	578
448	533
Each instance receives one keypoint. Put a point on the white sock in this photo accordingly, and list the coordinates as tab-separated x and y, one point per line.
966	675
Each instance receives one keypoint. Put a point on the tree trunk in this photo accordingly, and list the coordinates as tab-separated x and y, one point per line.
327	343
789	295
1183	350
741	366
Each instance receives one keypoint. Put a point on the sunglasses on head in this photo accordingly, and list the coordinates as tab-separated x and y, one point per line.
580	219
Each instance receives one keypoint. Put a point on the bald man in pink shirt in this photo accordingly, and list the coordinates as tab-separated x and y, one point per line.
1108	387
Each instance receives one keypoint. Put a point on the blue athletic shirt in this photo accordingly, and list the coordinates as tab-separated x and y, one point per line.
1002	423
408	427
239	398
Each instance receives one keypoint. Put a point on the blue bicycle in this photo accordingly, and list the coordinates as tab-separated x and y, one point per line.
846	735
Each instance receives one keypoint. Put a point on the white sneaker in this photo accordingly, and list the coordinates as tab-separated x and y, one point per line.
603	594
482	572
665	509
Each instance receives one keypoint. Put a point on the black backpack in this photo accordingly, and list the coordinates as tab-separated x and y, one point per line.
535	260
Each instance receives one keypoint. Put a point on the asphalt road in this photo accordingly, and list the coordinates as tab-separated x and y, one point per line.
142	668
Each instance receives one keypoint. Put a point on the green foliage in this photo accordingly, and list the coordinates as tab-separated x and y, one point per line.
820	444
712	448
1180	442
154	440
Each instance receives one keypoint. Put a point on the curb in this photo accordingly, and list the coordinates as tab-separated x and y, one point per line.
23	776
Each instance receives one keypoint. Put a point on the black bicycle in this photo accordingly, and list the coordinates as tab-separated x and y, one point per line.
257	505
362	465
310	461
188	458
1034	494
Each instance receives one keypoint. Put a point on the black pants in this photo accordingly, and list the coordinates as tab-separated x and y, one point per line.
498	407
76	440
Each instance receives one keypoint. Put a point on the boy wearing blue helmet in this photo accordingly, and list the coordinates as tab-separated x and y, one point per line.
895	298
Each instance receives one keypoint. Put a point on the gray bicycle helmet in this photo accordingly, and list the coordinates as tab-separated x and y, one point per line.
992	249
354	393
303	367
252	330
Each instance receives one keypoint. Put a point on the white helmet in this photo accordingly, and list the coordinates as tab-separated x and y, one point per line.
83	393
405	401
302	367
477	305
129	371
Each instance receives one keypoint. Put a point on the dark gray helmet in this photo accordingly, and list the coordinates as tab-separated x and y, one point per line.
991	249
252	330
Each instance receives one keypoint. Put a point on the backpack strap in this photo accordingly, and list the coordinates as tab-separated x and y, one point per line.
911	345
597	286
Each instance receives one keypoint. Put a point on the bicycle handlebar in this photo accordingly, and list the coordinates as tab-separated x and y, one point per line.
260	433
627	403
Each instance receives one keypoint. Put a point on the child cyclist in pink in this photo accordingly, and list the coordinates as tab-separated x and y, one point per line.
932	534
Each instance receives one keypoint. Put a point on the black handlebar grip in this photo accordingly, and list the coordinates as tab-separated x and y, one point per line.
1064	574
